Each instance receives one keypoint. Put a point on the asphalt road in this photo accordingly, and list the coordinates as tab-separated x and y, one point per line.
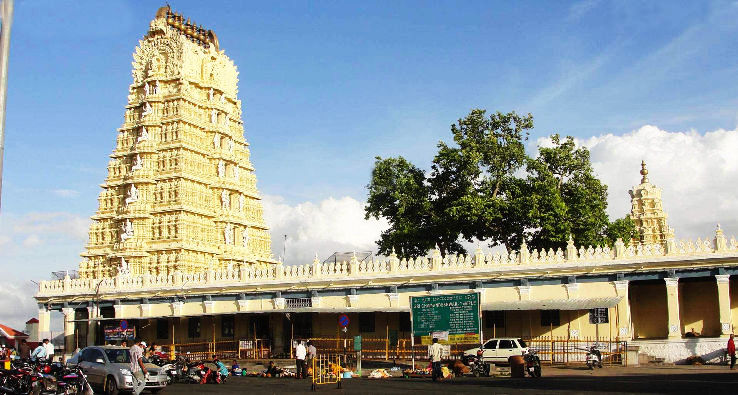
612	381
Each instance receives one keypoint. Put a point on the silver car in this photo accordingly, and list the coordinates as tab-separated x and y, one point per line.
108	370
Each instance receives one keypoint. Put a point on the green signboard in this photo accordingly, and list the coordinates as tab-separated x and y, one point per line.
452	318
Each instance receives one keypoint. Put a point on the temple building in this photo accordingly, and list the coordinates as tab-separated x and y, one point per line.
179	250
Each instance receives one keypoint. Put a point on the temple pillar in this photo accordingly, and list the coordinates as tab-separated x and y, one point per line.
70	343
672	307
623	311
723	294
44	324
276	327
92	313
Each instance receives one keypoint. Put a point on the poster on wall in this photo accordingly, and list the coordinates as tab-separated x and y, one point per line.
118	332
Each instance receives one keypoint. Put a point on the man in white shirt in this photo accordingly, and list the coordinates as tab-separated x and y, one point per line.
138	370
49	351
435	352
300	353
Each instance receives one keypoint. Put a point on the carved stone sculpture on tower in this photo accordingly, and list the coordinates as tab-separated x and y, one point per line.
246	237
210	94
221	169
214	116
123	269
216	141
156	88
146	110
146	89
132	195
143	136
126	230
225	199
228	233
137	163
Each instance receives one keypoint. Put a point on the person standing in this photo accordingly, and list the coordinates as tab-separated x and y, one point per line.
300	353
731	351
138	369
435	352
49	351
311	353
25	350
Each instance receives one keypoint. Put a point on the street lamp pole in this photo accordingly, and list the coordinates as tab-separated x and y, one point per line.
6	14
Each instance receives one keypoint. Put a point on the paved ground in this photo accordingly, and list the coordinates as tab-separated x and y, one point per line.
696	380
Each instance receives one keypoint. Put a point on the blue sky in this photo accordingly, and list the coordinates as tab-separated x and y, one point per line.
328	85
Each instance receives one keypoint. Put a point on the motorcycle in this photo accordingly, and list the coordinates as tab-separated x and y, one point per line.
594	357
477	365
532	363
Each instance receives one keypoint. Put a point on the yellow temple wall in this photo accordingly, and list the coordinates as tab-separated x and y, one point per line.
698	307
648	310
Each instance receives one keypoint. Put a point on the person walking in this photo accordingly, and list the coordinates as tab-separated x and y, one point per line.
731	351
138	369
300	353
435	354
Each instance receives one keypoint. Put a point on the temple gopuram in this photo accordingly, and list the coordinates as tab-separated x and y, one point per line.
180	251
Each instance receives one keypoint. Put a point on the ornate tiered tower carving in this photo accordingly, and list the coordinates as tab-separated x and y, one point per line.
648	213
181	192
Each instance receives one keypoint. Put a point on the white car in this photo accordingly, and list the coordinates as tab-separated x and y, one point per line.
498	350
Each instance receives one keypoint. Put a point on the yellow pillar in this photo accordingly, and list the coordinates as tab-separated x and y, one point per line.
723	294
672	306
623	311
44	324
70	343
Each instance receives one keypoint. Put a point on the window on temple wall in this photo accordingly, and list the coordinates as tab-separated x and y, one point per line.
550	318
599	316
494	319
366	322
227	326
193	327
162	329
405	322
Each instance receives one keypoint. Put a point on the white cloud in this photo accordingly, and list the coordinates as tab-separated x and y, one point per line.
581	8
32	240
18	305
323	228
697	172
65	193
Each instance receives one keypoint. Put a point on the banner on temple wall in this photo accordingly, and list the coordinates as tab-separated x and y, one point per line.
450	318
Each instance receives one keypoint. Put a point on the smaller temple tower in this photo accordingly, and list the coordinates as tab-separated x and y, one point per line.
647	211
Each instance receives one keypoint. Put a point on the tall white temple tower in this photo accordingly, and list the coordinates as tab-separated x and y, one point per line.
181	191
647	211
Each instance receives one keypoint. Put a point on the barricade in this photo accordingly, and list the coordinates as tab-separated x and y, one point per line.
326	370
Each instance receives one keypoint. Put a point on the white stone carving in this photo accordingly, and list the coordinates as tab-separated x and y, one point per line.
241	201
146	89
230	145
216	141
146	110
225	199
123	269
143	136
726	327
228	234
673	328
210	94
574	333
222	98
246	237
132	195
156	88
137	163
214	116
126	230
221	169
623	331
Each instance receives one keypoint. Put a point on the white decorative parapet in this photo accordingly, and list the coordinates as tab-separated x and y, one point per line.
497	262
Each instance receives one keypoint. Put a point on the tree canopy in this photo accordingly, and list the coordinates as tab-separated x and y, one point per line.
486	187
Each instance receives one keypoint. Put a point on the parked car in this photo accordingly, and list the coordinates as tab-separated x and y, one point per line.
498	350
108	370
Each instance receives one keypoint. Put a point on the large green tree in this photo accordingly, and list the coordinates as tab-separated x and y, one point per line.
486	187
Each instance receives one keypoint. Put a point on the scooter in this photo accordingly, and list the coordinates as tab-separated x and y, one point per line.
594	357
532	363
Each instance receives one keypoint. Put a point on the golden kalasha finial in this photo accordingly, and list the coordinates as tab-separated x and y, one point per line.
644	172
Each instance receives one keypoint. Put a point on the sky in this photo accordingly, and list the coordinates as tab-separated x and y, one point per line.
327	86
